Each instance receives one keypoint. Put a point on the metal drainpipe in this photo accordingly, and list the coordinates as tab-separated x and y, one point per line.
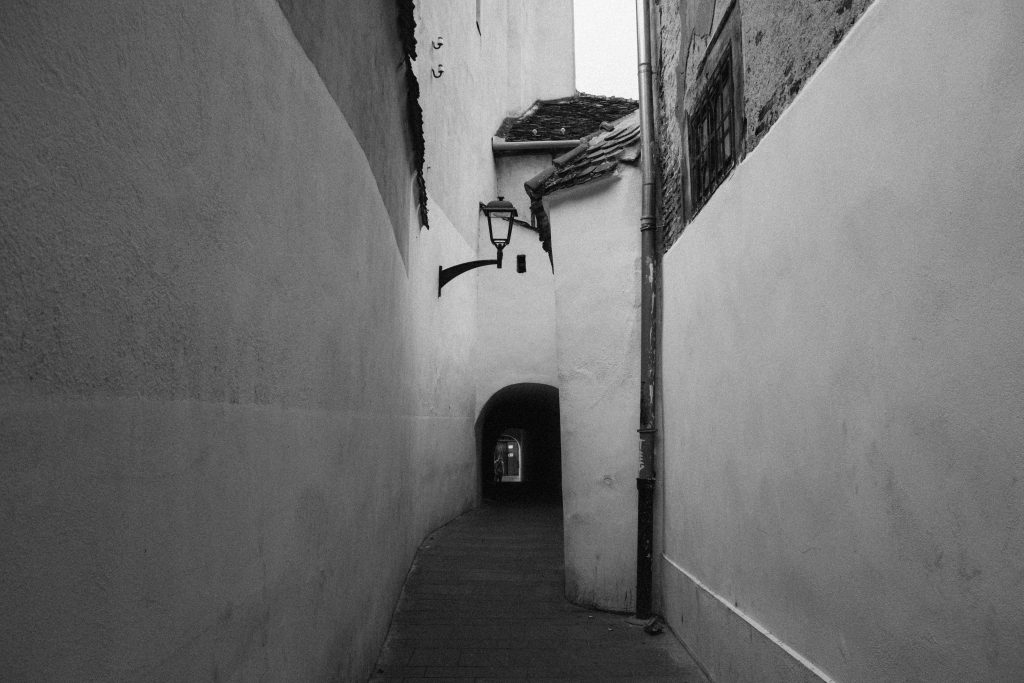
648	367
499	145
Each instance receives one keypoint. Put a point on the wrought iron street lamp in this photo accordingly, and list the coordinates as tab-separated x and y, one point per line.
500	215
503	213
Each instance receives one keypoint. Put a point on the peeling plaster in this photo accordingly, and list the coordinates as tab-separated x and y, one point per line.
783	43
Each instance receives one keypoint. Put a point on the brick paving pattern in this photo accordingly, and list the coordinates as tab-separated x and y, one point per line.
484	602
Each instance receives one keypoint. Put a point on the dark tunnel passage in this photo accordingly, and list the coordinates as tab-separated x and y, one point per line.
519	444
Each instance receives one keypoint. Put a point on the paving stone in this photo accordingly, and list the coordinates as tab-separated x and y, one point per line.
484	601
434	657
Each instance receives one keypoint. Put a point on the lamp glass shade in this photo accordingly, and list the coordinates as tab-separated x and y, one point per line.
500	214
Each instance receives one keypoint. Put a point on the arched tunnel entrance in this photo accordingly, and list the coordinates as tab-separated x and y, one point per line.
519	444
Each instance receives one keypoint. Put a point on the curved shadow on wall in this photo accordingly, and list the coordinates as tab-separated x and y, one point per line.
525	415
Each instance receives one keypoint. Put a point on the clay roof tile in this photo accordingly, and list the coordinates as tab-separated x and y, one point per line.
567	118
597	156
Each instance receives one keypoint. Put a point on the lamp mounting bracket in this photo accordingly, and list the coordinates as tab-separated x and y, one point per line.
446	275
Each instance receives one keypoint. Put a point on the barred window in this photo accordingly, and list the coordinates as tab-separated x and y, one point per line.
712	134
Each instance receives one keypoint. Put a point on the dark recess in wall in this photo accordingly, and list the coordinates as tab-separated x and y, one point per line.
534	409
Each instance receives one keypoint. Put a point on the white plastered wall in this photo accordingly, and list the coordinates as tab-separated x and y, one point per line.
842	370
228	410
486	76
516	311
523	52
596	243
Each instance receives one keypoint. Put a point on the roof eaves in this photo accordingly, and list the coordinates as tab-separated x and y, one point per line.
571	154
502	146
537	181
597	156
566	117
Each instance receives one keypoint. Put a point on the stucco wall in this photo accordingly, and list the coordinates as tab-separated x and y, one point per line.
843	380
516	318
596	239
523	52
516	58
353	47
514	170
516	312
228	410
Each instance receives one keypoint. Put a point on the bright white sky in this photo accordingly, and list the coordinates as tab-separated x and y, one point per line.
606	47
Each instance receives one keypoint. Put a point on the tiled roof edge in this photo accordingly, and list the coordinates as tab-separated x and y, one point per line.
561	174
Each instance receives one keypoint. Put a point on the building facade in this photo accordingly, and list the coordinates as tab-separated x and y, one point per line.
842	382
231	401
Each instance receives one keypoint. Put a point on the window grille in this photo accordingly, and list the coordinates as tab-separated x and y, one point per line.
712	134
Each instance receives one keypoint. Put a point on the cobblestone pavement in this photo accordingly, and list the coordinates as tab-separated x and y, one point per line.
484	602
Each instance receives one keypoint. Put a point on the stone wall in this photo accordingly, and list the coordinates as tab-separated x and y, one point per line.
669	85
783	44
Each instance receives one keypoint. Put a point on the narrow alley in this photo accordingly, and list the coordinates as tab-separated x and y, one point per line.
300	301
484	601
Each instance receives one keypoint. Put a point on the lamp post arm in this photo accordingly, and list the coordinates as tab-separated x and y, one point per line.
446	275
